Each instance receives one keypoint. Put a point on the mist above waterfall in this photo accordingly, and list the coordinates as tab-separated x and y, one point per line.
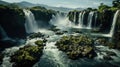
60	20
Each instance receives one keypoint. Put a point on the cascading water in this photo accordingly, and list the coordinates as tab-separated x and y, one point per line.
8	52
80	20
3	34
31	24
52	56
83	17
74	20
114	23
60	21
110	34
96	16
90	20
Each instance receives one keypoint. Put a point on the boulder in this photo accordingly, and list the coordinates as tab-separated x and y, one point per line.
27	56
107	57
76	47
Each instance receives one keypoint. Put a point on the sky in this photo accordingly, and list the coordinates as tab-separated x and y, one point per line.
68	3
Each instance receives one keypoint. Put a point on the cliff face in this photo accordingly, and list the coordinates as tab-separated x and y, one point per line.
106	18
42	14
116	36
103	20
12	20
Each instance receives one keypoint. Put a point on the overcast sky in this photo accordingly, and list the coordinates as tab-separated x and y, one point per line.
68	3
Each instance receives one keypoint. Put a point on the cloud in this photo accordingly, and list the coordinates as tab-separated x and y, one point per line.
69	3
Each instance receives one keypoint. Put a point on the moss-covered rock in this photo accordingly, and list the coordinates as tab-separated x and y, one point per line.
35	35
76	46
59	33
54	29
40	42
28	55
42	14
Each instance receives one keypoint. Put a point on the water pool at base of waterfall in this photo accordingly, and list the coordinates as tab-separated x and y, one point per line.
53	57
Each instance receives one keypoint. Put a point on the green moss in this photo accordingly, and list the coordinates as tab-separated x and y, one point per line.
27	56
76	46
39	42
113	9
42	13
103	7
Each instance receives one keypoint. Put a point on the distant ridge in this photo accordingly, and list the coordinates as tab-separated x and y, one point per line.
25	4
3	2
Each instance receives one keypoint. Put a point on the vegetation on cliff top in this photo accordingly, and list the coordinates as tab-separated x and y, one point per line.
42	13
12	19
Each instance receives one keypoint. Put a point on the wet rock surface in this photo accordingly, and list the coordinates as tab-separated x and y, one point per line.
28	55
1	57
76	46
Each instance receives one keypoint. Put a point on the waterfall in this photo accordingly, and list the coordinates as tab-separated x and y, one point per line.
114	23
31	24
110	34
80	20
74	20
90	19
4	35
60	20
83	17
96	16
52	56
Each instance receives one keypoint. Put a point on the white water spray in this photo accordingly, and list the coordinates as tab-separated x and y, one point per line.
90	18
80	20
31	24
74	17
114	23
110	34
60	20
